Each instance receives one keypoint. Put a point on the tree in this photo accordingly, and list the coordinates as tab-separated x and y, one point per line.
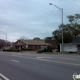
48	40
70	31
3	43
36	38
22	38
66	33
75	24
51	41
74	19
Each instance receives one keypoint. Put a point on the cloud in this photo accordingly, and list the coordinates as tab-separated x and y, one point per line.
33	18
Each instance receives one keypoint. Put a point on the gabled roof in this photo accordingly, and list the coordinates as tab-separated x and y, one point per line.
75	41
34	42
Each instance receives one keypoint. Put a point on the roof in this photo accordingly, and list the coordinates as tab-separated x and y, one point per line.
34	42
75	41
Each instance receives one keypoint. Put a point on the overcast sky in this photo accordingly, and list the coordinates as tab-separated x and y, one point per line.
33	18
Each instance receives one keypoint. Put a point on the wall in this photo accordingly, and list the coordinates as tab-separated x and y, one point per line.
69	48
18	44
34	47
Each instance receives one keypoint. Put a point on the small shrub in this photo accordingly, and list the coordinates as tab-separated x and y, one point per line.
26	49
40	51
4	50
12	50
79	53
45	50
49	49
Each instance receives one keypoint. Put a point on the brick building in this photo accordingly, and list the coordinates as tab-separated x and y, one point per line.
31	44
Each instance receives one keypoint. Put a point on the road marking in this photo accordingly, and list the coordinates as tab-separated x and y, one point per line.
15	61
69	58
43	57
48	60
51	61
61	58
60	62
3	77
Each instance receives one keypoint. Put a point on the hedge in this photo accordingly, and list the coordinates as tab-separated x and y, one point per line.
40	51
26	49
11	50
17	50
44	50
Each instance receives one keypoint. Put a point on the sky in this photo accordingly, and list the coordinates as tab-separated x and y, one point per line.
33	18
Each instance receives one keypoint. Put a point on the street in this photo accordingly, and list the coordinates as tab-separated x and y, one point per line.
32	66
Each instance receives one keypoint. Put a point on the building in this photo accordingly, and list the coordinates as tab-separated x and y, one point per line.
73	46
31	44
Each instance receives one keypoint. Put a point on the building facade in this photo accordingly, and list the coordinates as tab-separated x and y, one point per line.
31	44
73	46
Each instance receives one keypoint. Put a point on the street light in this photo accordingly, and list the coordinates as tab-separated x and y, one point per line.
61	10
6	37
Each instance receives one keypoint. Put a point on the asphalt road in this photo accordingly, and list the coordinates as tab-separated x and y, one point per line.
31	66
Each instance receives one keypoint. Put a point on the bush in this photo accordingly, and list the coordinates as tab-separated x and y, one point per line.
40	51
4	50
17	50
26	49
12	50
45	50
48	49
79	53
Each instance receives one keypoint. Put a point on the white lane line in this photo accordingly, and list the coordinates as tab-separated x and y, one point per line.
3	77
15	61
43	57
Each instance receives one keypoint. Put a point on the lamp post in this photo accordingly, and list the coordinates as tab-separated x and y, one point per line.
61	10
6	37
